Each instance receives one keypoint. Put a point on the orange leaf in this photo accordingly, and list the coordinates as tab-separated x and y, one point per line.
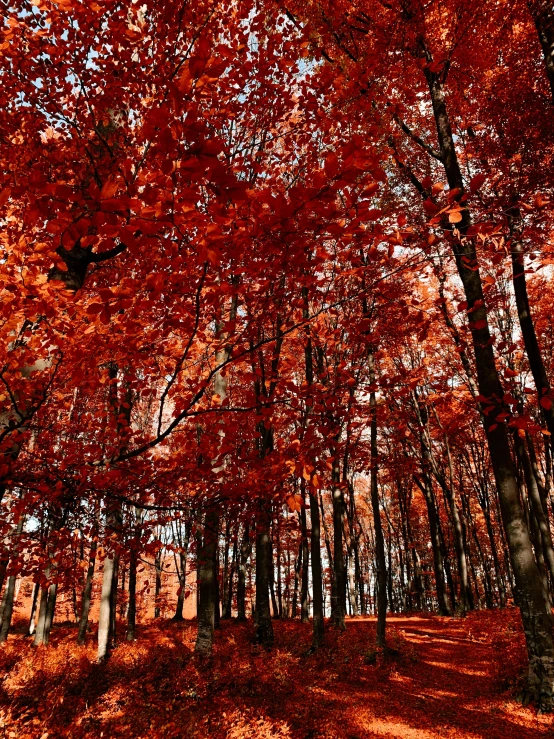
109	189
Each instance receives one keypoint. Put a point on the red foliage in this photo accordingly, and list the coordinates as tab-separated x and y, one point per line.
440	678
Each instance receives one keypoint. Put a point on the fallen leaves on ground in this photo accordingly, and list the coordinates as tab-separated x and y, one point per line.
441	678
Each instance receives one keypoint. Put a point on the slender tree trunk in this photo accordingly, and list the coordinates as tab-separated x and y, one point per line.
297	570
304	609
245	549
158	584
87	592
317	577
182	572
271	574
132	602
377	526
217	599
279	584
328	550
228	604
31	628
544	536
338	607
526	323
122	603
359	576
466	599
178	616
438	565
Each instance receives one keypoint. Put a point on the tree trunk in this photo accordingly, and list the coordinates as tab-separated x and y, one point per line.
537	620
271	573
228	604
39	633
317	577
543	16
7	611
378	528
87	593
158	585
178	616
105	619
206	583
279	583
297	570
338	607
304	608
132	603
245	549
182	571
543	534
526	323
264	627
50	611
31	628
217	599
438	565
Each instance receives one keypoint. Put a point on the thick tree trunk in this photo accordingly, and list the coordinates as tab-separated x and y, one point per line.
7	608
537	620
39	633
50	611
7	611
264	627
206	583
543	16
105	619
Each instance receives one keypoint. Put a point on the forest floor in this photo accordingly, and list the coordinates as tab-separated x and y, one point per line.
443	678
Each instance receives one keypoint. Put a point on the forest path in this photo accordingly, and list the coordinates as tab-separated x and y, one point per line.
443	678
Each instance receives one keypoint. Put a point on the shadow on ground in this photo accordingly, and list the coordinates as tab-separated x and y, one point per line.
442	678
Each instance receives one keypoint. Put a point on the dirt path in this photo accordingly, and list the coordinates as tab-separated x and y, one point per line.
444	679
